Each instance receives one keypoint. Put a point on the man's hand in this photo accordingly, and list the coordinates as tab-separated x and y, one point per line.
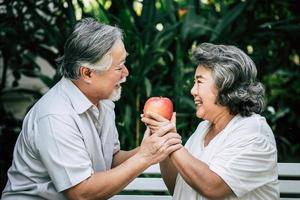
156	147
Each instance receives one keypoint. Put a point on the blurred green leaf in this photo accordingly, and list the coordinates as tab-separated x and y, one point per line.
148	87
229	17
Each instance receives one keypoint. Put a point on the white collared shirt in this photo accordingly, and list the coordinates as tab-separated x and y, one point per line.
244	155
64	140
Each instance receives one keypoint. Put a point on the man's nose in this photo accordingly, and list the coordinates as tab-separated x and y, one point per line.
125	71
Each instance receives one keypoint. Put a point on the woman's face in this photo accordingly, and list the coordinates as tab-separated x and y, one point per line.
205	93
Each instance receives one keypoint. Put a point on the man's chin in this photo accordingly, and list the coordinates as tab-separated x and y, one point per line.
115	98
116	95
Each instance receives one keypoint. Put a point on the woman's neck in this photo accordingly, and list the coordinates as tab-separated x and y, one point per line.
221	121
217	125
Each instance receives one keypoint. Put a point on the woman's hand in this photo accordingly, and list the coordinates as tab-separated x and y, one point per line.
158	123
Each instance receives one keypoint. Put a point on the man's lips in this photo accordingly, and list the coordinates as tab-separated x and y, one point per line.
120	82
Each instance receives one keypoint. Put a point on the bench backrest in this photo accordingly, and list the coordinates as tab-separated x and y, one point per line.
150	186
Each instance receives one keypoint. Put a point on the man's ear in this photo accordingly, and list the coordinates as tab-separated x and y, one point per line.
85	74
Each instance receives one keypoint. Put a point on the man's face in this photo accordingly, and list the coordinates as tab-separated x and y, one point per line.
107	84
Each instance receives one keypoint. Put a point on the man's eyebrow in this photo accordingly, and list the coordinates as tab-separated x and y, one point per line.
199	76
125	57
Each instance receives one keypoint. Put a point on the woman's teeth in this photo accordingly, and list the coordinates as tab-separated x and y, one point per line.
197	103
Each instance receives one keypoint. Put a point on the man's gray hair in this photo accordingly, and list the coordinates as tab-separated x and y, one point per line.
88	44
235	74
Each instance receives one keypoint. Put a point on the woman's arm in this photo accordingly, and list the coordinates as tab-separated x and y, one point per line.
169	174
195	172
198	175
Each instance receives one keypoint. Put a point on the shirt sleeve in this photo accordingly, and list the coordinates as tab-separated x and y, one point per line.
62	151
246	163
117	146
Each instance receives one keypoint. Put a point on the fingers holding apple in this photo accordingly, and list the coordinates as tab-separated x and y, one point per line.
173	119
160	127
164	129
154	123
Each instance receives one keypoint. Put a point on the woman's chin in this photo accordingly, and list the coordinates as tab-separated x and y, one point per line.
199	114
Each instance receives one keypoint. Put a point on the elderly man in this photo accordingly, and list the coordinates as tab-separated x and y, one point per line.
68	146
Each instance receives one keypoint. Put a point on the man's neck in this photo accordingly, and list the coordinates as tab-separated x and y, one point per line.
83	87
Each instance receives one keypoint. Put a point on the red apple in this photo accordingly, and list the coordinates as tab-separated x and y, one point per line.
160	105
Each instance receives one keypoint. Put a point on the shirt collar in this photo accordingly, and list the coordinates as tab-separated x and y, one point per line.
78	100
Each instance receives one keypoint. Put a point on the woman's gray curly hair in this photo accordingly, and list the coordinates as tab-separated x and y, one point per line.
235	77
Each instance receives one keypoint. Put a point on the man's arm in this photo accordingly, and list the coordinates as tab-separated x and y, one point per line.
121	156
103	185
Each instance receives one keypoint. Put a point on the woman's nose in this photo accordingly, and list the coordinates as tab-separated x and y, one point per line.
194	90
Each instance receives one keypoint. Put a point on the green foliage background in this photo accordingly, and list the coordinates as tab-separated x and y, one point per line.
158	35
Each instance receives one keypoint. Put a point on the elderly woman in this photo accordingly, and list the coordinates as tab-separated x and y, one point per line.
232	154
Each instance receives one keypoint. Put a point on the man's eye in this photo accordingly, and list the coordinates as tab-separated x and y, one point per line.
197	81
120	67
